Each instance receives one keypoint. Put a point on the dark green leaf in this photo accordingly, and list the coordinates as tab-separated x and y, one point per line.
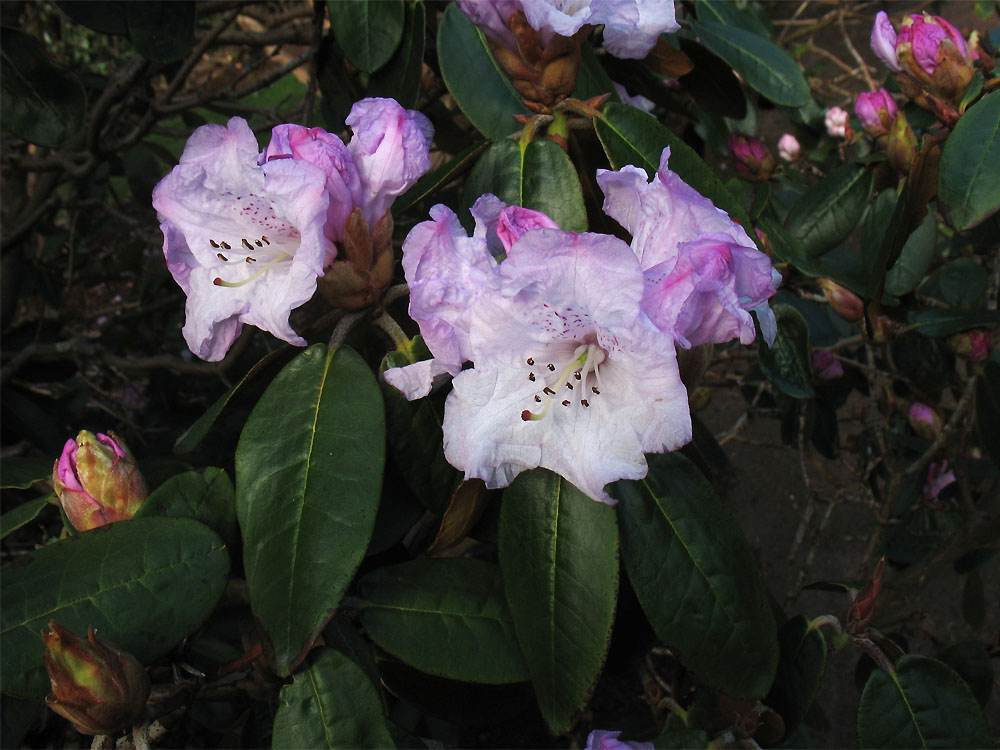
538	176
823	217
789	249
786	364
205	496
712	83
559	554
967	176
144	584
959	283
400	78
23	514
473	77
446	617
988	409
21	473
800	667
946	322
438	178
592	80
729	14
161	31
972	662
308	481
922	704
914	259
681	739
41	103
368	31
876	224
696	577
630	136
764	66
974	601
330	704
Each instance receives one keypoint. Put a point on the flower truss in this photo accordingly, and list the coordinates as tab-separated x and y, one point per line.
246	235
571	338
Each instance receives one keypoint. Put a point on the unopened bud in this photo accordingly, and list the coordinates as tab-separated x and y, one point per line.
935	55
789	148
95	684
750	157
902	146
825	365
844	302
362	272
837	121
97	481
974	345
924	420
876	110
862	608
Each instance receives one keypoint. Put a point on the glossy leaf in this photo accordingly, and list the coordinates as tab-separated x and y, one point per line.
308	481
416	442
438	178
696	577
681	739
630	136
914	259
967	177
559	555
399	79
369	31
959	283
21	473
537	175
923	703
730	14
446	617
473	77
330	704
42	103
592	80
144	584
988	409
22	515
207	496
936	322
972	661
800	667
787	364
764	66
160	31
823	217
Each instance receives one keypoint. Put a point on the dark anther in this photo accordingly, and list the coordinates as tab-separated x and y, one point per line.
565	403
213	243
569	385
594	389
247	244
549	391
258	243
576	374
585	402
251	260
531	377
225	246
552	367
266	240
223	258
538	399
531	361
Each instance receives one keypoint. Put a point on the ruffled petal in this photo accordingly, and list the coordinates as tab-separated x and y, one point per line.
631	27
883	41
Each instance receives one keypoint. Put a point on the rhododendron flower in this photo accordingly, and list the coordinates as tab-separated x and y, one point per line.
638	101
703	274
631	27
826	365
938	477
876	111
750	156
788	147
603	739
568	372
836	122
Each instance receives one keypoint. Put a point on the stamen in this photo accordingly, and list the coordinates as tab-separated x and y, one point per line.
585	402
266	240
552	367
261	272
538	399
251	260
226	245
258	243
549	391
213	243
569	385
594	389
531	377
577	375
247	244
223	258
565	403
531	361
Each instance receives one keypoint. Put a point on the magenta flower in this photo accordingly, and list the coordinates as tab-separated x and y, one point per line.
938	477
836	122
789	148
877	111
568	372
923	36
703	274
244	240
826	365
750	157
603	739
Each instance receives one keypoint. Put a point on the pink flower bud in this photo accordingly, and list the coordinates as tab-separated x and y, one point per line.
883	42
826	365
876	110
924	420
923	37
836	122
935	60
97	481
862	608
750	157
973	344
844	302
96	685
788	147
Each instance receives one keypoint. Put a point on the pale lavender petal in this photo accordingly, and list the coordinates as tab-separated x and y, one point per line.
603	739
631	27
492	16
66	467
563	17
390	150
514	221
927	38
883	41
638	101
419	379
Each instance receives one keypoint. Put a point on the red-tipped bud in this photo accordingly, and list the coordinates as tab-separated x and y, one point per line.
750	157
862	608
97	481
96	685
844	302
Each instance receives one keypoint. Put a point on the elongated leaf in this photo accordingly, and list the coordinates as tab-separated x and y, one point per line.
144	584
946	322
786	364
729	14
446	617
823	217
593	80
967	177
368	31
988	409
23	472
537	175
400	78
681	739
959	283
205	496
922	704
473	77
630	136
800	667
308	481
696	577
23	514
438	178
41	103
712	83
764	65
559	555
330	704
972	662
914	259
